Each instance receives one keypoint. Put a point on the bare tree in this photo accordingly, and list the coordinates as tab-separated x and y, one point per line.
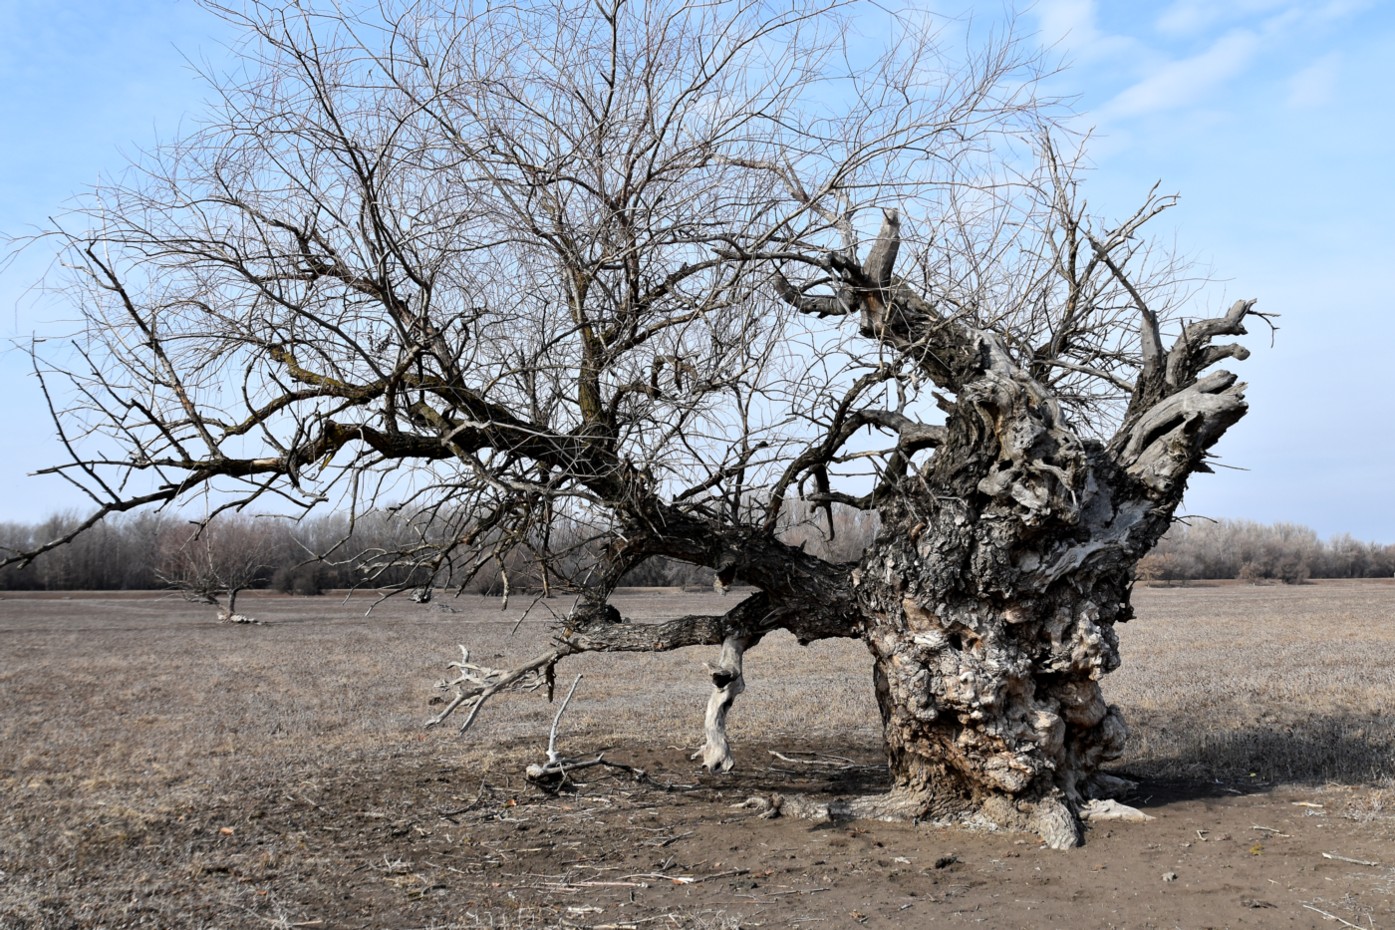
217	558
656	274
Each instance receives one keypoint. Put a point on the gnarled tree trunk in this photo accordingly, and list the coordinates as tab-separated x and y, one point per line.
1007	557
987	677
991	596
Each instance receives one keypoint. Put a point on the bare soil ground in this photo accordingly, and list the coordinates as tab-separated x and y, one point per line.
159	769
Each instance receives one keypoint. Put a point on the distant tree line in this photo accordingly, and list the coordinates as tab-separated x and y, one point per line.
159	550
168	550
1261	552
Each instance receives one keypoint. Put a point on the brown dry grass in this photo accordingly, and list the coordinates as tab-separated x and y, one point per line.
1274	684
132	728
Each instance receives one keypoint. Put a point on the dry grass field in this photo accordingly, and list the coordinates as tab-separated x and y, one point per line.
159	769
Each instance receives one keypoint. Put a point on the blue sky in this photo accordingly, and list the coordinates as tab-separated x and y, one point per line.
1271	118
1274	122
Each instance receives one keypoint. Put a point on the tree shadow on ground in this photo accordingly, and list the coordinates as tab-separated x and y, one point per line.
1349	749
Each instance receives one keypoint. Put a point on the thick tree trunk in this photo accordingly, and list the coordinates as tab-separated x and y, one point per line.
991	596
990	699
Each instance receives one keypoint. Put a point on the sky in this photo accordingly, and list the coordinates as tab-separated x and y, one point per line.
1271	119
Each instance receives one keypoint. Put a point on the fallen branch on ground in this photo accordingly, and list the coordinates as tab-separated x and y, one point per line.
1338	858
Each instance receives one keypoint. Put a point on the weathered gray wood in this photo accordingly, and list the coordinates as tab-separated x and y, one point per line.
728	681
991	596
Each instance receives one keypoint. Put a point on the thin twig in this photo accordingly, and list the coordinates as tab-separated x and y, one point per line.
468	807
552	735
1352	861
838	761
1344	923
1270	830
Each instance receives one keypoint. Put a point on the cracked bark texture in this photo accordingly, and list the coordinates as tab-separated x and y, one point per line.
990	598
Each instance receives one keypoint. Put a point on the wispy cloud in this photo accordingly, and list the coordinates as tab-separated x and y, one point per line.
1068	21
1069	26
1192	17
1316	84
1183	82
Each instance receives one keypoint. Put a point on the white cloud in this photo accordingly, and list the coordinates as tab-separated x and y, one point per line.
1191	17
1067	22
1180	83
1070	27
1316	84
1340	9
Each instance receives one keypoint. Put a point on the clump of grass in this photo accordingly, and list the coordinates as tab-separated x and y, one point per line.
1374	805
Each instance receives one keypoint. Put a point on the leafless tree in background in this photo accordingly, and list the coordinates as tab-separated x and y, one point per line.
658	274
217	559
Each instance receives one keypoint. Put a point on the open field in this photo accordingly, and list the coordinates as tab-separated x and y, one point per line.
159	769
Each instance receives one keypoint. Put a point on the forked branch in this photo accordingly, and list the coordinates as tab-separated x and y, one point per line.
475	684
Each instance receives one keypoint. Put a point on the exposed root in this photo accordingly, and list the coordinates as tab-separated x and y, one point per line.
1050	818
715	754
1102	809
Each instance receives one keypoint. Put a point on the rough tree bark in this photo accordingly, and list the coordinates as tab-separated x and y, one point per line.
1005	561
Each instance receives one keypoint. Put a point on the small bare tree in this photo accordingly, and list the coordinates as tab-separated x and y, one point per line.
216	559
577	287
